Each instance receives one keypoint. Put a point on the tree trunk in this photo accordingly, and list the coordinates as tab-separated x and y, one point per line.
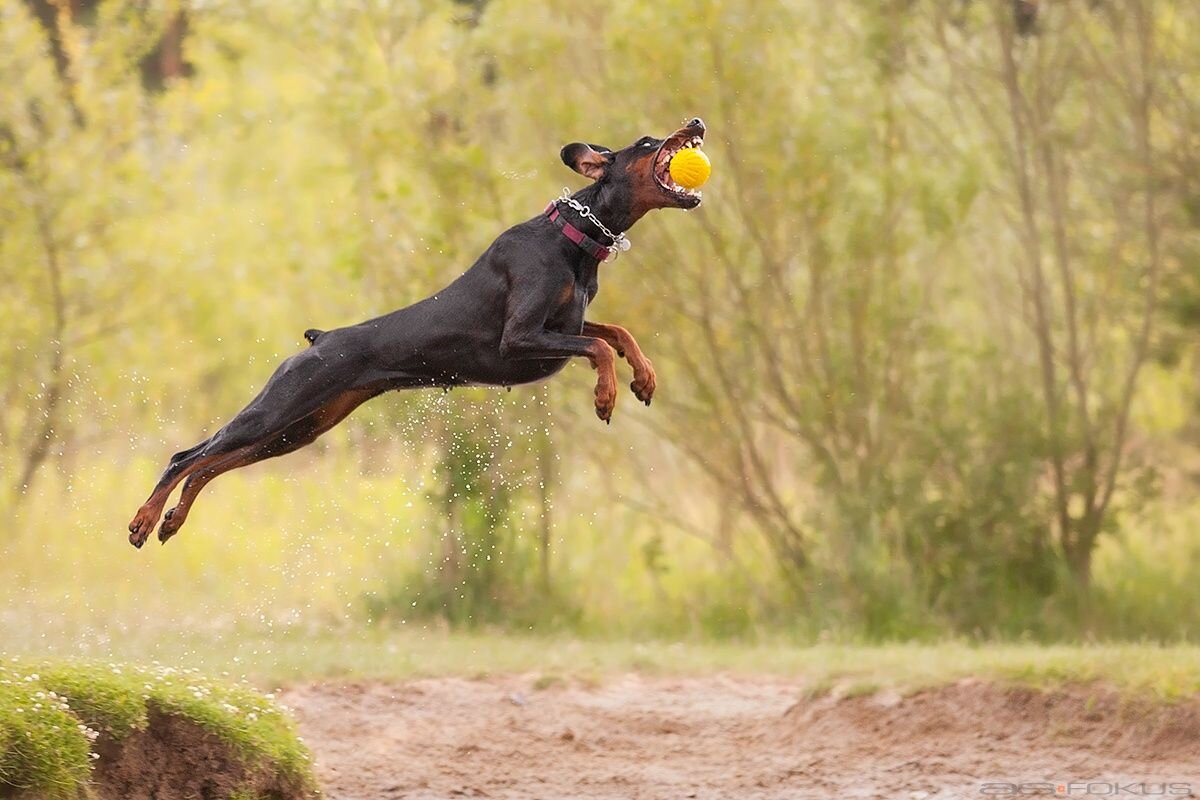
42	438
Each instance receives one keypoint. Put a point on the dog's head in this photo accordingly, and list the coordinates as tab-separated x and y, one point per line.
638	177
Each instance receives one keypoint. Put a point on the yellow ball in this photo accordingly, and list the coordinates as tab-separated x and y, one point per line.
690	168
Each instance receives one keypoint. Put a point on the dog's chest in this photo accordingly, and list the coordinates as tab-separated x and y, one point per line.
572	305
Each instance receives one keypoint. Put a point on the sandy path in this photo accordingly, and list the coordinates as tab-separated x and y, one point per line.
727	737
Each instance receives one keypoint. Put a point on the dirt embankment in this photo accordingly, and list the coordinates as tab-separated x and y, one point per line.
175	758
725	737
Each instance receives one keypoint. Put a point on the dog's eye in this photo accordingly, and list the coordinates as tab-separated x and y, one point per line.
645	141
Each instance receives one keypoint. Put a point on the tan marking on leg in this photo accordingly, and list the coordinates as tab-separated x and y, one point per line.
601	356
147	516
325	417
645	380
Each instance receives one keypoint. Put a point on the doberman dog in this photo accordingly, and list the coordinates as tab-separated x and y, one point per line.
516	316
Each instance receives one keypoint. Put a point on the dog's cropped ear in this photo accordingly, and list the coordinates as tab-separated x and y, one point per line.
590	160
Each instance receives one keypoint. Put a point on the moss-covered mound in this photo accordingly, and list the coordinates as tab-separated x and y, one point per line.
116	731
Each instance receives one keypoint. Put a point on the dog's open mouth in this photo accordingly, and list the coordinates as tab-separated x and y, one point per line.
662	165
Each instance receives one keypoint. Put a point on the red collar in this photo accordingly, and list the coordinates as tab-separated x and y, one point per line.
586	243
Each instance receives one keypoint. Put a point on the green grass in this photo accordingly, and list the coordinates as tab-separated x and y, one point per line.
1166	671
52	712
314	542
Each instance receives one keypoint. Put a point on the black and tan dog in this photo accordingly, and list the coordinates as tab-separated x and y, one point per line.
516	316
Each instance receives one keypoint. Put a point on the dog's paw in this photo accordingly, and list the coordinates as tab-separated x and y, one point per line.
644	382
142	524
606	400
172	522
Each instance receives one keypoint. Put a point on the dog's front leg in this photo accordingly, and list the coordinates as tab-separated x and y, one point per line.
547	344
525	336
644	379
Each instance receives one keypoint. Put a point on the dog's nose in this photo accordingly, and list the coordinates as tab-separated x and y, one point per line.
696	122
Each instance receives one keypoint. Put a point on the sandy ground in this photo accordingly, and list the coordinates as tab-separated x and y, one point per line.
736	737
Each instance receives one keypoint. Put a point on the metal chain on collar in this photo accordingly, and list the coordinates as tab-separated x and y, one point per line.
619	243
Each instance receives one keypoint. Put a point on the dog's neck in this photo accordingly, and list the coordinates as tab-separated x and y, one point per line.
603	201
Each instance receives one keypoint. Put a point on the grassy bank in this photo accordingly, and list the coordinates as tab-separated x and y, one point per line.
56	717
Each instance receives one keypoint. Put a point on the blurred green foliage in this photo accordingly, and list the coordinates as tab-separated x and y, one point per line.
926	353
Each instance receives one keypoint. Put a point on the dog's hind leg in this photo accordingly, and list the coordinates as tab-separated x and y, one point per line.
301	386
177	469
299	434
